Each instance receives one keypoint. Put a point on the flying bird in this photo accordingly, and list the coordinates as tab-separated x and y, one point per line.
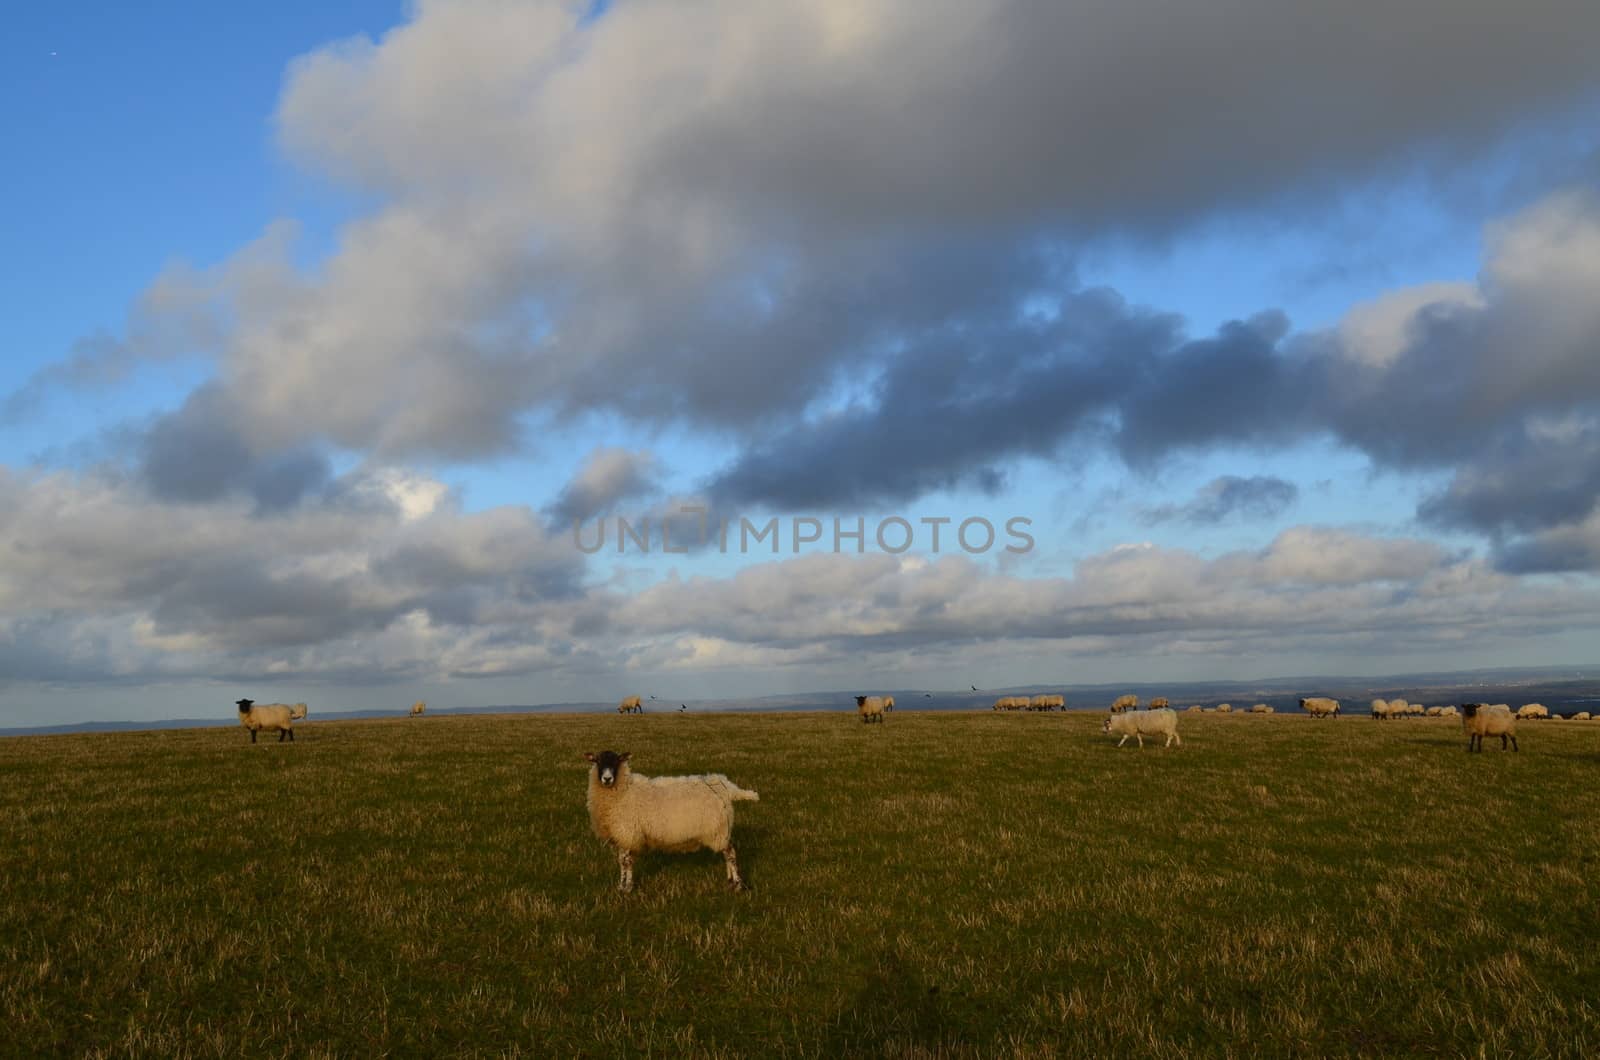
975	688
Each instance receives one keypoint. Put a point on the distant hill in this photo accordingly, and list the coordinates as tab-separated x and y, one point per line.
1563	689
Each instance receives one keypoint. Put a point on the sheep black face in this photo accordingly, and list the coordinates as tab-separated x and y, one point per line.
608	766
244	705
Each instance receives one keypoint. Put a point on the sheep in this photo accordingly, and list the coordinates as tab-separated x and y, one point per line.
870	708
1039	702
1160	703
888	704
1320	706
1582	715
633	813
1532	710
1447	712
1433	712
1380	709
1261	708
1479	720
1195	709
1224	708
1141	722
1122	703
417	708
1058	701
270	717
630	705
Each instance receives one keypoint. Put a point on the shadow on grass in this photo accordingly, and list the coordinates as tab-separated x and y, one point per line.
896	1011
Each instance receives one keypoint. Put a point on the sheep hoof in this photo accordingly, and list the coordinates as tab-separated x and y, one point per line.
737	885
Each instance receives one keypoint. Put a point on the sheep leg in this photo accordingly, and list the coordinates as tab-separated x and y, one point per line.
282	733
731	859
625	863
1513	744
252	736
1140	737
1123	740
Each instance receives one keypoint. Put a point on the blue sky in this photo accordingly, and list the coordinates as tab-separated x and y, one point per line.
776	261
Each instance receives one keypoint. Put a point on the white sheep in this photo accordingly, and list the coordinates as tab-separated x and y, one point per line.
677	815
630	705
1195	709
1139	723
1160	703
1532	710
270	717
888	704
1224	708
1434	712
1479	720
870	708
1380	709
1448	712
417	708
1320	706
1582	715
1122	703
1261	708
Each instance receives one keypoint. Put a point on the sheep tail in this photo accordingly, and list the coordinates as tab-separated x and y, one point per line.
738	794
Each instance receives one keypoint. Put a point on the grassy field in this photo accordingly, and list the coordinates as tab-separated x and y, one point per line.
944	884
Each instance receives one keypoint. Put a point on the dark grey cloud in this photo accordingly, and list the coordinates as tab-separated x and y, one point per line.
607	478
1255	497
200	453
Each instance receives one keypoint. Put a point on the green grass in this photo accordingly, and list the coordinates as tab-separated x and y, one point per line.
944	884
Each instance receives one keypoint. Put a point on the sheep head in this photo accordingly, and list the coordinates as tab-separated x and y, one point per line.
244	705
609	766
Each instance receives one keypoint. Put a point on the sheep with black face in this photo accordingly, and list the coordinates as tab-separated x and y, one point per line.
634	813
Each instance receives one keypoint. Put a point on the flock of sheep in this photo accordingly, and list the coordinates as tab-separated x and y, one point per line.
633	813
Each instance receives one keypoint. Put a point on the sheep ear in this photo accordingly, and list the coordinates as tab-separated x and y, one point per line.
623	756
591	756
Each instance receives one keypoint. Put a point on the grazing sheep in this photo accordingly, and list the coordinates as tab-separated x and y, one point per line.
1140	723
1122	703
1195	709
1479	720
1532	710
870	708
1261	708
1224	708
888	704
1433	712
1380	709
270	717
1160	703
1039	702
417	708
634	813
1447	712
631	705
1320	706
1582	715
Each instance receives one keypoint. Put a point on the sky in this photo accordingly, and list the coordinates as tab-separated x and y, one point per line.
1264	337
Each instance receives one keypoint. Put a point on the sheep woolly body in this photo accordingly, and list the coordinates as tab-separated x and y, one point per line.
270	717
1479	720
1142	723
1533	710
1582	715
630	705
1320	706
1122	703
676	815
870	708
888	703
417	708
1224	708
